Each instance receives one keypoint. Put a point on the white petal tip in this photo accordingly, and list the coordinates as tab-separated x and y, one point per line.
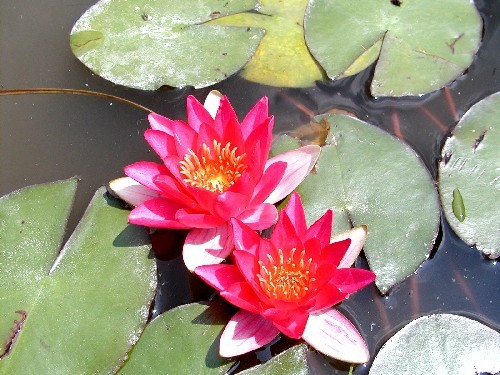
193	259
357	236
130	191
212	102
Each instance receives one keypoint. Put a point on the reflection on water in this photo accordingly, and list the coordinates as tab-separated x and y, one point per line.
49	137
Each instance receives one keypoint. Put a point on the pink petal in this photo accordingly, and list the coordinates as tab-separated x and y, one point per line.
245	332
294	325
228	204
184	137
212	103
295	211
172	189
284	235
207	246
245	238
207	134
270	179
328	294
244	185
144	172
172	165
333	253
131	191
261	217
225	114
313	250
158	122
194	219
334	335
243	296
219	276
257	147
299	164
232	134
357	236
156	213
249	268
322	228
266	249
275	314
256	116
163	144
197	114
350	280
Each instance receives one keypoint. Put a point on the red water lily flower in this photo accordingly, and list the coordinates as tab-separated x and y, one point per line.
289	283
214	169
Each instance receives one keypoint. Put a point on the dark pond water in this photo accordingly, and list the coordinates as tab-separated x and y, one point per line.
49	137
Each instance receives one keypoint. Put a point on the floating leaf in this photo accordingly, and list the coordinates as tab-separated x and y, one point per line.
363	175
420	45
282	58
440	344
146	44
470	162
79	311
291	362
184	340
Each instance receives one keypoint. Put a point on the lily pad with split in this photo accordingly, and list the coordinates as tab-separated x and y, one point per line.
282	58
363	174
418	45
80	310
469	177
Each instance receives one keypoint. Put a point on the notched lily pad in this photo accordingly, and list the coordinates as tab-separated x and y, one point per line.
282	58
145	45
363	175
470	167
419	45
184	340
78	311
440	344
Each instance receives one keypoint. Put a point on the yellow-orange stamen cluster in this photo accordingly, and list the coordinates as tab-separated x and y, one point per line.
286	280
215	173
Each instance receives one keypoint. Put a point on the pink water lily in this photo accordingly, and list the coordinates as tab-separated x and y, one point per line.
289	283
214	169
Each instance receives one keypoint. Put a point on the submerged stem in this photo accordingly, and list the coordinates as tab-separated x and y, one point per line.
48	90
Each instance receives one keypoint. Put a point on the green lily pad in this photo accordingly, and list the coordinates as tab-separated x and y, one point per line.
419	45
440	344
469	177
146	44
184	340
79	311
291	362
282	58
369	177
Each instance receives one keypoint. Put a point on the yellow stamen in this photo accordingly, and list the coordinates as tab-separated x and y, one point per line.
215	173
286	280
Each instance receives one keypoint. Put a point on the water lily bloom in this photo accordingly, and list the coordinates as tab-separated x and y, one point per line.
289	283
214	169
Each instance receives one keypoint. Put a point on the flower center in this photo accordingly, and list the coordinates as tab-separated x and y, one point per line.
286	280
216	172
